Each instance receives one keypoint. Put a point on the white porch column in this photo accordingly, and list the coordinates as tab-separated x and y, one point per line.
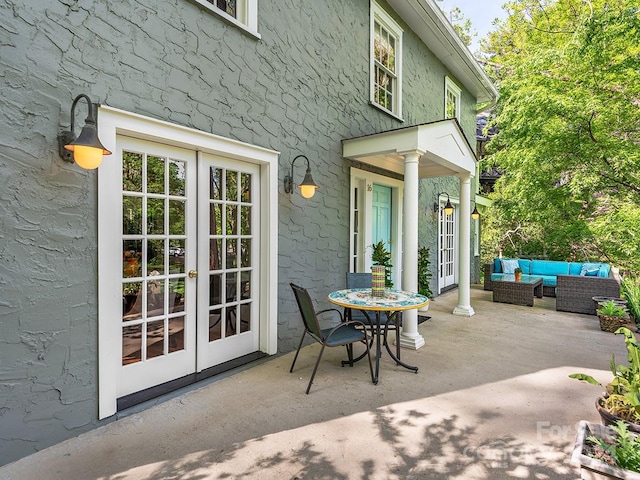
410	338
464	307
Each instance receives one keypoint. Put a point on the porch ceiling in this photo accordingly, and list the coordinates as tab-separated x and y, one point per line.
446	150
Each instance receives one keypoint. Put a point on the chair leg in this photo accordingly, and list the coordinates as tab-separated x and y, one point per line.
298	351
349	355
315	369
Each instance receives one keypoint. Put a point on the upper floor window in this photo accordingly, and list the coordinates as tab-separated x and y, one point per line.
451	99
242	13
386	61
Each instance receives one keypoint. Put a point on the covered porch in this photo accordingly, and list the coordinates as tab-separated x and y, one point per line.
435	149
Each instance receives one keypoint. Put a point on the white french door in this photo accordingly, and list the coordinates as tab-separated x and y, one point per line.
190	253
158	249
228	257
447	248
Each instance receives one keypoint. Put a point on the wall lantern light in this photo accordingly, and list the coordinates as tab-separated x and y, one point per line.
475	214
448	208
307	187
86	150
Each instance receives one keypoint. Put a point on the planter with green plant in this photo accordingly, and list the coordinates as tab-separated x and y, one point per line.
621	400
518	274
612	316
606	452
381	256
424	275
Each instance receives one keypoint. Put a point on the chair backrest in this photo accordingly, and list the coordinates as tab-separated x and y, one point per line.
358	280
307	311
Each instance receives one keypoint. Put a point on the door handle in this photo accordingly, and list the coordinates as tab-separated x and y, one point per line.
193	273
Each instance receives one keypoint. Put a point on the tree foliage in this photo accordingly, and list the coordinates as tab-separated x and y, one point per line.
460	24
568	122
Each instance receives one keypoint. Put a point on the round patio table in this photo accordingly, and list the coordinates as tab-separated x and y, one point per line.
392	302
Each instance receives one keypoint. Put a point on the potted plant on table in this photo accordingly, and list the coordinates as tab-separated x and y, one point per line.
424	275
518	274
381	256
607	452
621	400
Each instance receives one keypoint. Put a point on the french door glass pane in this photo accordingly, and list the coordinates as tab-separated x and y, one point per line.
132	172
230	252
155	174
131	215
153	260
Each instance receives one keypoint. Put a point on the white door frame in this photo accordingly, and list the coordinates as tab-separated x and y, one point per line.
118	122
363	181
456	234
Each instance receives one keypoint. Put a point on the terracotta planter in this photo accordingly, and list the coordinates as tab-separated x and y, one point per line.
592	468
610	419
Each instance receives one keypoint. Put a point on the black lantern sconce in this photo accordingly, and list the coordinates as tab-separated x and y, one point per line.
475	214
86	149
448	208
307	187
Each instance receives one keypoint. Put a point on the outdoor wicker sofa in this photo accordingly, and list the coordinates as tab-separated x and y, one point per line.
573	284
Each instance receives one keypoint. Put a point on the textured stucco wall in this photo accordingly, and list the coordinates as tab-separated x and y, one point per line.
300	89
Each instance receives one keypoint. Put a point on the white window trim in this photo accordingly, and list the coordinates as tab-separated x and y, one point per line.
247	15
115	122
380	15
451	86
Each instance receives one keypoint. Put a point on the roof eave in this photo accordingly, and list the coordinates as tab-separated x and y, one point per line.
427	20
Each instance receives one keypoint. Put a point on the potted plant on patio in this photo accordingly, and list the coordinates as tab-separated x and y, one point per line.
621	400
424	275
518	274
612	316
607	452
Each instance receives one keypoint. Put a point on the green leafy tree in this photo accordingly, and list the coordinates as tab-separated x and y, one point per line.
568	122
460	24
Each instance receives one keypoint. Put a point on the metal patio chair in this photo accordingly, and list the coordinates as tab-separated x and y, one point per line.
343	334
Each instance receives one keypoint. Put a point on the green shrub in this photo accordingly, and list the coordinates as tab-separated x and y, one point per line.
631	292
611	309
424	274
624	451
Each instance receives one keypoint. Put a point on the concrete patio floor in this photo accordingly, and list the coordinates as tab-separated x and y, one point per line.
491	400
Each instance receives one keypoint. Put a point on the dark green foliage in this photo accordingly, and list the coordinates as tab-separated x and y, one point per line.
631	292
424	273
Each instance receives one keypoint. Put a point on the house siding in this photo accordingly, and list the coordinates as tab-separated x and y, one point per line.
299	89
